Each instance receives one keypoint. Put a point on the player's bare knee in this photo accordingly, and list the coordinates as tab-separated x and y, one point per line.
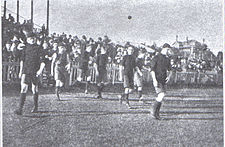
24	88
34	89
160	97
58	83
126	91
139	88
131	90
88	78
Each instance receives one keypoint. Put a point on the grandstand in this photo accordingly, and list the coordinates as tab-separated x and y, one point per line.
190	59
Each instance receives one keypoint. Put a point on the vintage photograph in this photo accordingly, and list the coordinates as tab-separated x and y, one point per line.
97	73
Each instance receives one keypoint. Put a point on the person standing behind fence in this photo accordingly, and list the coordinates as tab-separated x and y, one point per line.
160	64
101	71
129	66
61	65
83	43
31	66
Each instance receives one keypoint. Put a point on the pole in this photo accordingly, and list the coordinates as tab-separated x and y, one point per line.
18	5
47	16
32	9
4	15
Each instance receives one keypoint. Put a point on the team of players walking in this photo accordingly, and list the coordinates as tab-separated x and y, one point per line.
33	61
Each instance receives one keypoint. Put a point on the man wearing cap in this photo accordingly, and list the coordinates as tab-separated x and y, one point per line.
160	65
31	66
61	65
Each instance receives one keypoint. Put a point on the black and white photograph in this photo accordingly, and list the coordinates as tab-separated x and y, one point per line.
112	73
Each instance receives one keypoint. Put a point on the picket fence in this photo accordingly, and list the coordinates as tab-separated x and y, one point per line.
10	71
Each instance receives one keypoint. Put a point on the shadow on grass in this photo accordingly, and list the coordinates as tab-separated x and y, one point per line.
44	114
195	107
215	118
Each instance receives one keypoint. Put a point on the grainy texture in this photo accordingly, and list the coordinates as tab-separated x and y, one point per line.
191	117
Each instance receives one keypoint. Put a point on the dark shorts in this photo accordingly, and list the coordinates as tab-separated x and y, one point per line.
29	79
102	77
85	73
128	81
138	80
160	88
61	73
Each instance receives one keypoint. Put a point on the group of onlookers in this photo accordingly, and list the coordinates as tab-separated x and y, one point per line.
14	39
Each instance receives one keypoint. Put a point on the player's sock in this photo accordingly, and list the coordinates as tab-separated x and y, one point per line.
35	96
156	108
86	88
139	94
57	89
22	100
101	87
121	98
99	92
127	101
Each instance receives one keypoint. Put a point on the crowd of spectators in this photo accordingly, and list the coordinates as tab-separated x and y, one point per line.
12	35
14	39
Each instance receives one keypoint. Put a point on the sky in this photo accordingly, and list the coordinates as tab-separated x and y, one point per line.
156	21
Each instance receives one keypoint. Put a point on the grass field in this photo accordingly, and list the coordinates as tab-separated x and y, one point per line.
190	117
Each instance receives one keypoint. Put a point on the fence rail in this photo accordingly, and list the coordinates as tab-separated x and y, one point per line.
10	71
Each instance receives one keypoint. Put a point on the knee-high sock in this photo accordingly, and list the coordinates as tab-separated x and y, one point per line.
139	94
99	91
102	86
22	100
35	96
156	108
126	96
57	91
86	86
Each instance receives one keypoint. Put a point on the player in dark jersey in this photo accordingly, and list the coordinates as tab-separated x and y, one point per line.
31	66
85	72
138	75
129	66
160	64
61	65
101	71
